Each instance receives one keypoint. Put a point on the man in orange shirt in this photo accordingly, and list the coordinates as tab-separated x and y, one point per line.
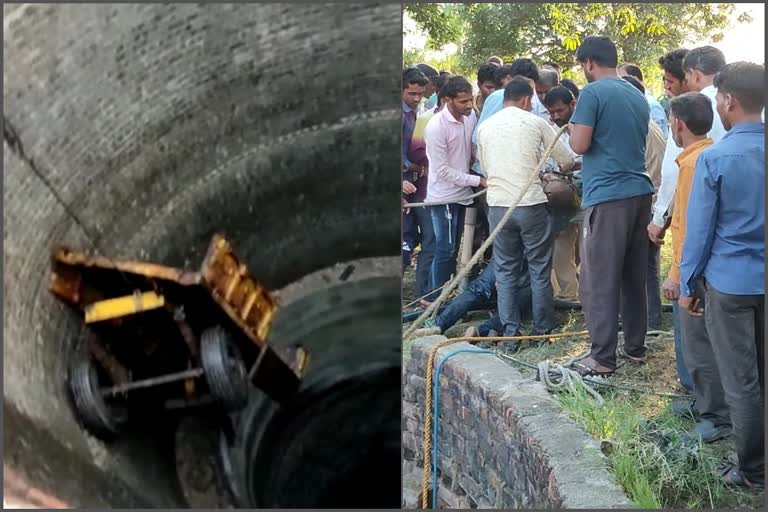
690	121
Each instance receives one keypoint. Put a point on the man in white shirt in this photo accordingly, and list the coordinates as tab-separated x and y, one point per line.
510	145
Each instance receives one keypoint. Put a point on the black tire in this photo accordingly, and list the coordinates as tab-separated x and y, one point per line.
96	415
224	368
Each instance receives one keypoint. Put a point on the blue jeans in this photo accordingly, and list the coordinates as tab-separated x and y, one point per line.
448	225
682	372
527	236
417	230
481	294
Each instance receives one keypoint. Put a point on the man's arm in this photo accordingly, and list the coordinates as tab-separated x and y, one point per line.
701	218
669	172
562	155
583	122
437	154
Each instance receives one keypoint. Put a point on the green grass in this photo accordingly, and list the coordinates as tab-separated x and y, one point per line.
654	473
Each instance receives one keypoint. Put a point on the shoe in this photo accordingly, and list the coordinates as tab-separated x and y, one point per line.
684	408
732	475
705	432
427	331
472	332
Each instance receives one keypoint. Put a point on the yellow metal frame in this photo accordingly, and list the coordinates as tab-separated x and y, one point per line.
123	306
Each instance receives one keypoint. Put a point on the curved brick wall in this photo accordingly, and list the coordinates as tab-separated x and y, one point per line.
160	124
503	442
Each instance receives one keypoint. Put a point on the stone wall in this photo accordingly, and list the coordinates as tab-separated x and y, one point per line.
503	440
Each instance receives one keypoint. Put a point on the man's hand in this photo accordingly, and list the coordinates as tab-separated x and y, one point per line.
417	168
670	289
483	182
691	305
408	187
656	234
404	202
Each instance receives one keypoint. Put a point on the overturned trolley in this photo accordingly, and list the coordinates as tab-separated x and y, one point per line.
166	337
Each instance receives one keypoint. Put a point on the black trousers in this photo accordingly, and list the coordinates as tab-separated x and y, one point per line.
736	326
613	274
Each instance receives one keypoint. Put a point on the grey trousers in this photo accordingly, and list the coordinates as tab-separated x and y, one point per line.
736	326
613	274
527	234
701	365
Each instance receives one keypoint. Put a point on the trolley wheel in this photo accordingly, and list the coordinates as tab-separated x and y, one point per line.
100	417
224	368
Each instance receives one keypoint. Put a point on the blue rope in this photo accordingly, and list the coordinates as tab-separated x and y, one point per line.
435	408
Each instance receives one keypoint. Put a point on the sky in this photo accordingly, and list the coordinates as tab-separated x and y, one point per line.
744	41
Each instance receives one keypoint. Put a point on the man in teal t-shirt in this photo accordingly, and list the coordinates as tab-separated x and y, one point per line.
609	128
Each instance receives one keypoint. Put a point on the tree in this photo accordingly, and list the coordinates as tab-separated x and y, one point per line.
553	31
439	21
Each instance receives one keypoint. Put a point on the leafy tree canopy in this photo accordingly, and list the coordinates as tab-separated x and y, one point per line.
553	31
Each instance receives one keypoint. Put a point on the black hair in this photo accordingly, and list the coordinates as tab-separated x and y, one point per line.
517	88
553	65
456	85
444	72
672	62
413	75
707	59
525	67
634	81
500	72
695	110
486	73
571	86
558	93
632	70
745	81
600	50
430	72
440	84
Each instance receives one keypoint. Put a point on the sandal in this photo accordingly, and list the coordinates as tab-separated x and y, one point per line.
633	359
732	475
588	367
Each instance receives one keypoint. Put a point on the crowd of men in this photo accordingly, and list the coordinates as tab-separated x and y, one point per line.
626	170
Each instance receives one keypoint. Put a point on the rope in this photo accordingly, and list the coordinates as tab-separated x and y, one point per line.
417	205
569	379
487	243
436	408
428	404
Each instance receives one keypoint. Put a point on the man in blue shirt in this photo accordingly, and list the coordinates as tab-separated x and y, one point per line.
609	128
658	114
724	259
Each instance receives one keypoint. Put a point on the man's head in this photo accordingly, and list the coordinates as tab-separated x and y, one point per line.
501	76
526	68
458	96
571	86
674	76
548	78
701	65
690	114
740	92
485	81
431	74
631	70
635	82
519	93
414	85
495	60
555	67
598	57
440	85
560	103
